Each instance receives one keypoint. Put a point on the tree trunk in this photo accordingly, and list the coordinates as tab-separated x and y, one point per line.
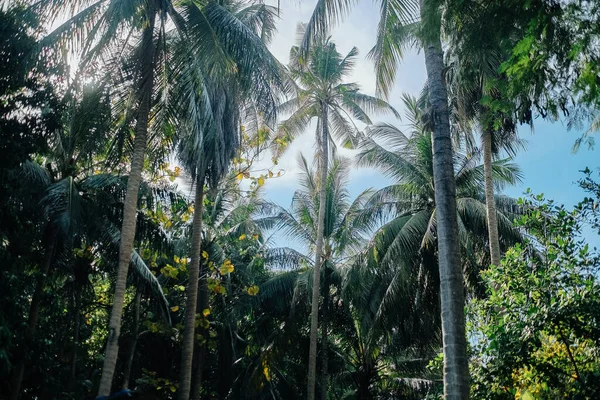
34	309
456	368
202	304
76	329
199	373
490	201
364	383
314	314
187	352
324	335
136	329
130	205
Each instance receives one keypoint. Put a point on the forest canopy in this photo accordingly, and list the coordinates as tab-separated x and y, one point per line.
143	253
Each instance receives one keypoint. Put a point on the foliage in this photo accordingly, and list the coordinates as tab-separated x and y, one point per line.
67	139
535	335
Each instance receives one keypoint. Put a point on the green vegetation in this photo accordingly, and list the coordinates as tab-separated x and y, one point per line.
138	248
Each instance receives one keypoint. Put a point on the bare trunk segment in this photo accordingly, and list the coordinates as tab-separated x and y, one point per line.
187	352
456	367
324	335
490	201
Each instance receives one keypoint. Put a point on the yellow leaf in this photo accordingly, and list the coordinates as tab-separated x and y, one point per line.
260	181
240	176
266	370
242	236
175	308
270	174
204	254
253	290
226	268
206	312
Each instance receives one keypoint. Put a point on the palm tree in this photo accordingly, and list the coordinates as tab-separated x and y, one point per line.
363	335
391	338
475	86
344	234
74	200
208	147
398	19
322	94
409	206
210	31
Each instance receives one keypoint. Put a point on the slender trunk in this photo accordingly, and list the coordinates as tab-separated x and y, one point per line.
76	329
130	204
314	314
325	349
490	201
199	373
456	368
34	309
364	383
136	330
187	352
202	304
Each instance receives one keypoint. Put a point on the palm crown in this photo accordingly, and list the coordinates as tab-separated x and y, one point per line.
409	203
320	87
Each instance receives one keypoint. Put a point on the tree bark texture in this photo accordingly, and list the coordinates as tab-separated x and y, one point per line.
456	368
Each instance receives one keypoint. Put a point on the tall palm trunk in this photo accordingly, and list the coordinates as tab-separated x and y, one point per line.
456	368
314	313
130	205
187	352
202	304
325	349
34	309
76	329
364	383
490	201
135	333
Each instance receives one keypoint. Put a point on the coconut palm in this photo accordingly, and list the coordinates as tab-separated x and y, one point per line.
411	232
377	347
323	95
474	83
215	40
398	19
207	149
362	337
343	237
74	200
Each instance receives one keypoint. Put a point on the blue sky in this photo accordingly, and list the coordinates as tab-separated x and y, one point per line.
548	164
